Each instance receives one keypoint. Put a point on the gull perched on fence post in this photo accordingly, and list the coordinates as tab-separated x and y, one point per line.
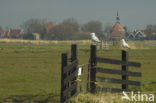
95	38
124	44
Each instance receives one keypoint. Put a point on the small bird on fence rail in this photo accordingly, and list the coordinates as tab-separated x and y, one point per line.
95	38
124	44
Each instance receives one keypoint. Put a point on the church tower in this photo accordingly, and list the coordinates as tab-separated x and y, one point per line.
117	29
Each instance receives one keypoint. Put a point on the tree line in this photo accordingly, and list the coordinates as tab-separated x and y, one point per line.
70	29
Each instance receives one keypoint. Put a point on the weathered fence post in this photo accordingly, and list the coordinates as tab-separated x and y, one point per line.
101	45
74	57
93	70
88	76
113	42
125	69
63	86
73	52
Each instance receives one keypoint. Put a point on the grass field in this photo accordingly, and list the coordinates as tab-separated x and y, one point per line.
33	71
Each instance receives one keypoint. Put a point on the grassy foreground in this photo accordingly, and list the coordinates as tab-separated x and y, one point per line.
29	71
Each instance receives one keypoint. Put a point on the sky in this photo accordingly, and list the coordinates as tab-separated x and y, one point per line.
135	14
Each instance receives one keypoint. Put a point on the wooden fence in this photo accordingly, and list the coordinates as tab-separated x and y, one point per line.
123	72
69	74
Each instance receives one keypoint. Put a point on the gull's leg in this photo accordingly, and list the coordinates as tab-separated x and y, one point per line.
122	48
126	49
92	42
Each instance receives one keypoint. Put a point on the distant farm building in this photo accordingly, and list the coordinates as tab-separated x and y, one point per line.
138	34
33	36
131	36
12	33
1	32
36	36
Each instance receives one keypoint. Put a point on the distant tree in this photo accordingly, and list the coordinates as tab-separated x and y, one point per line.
35	26
82	36
127	32
50	27
108	28
1	28
49	31
6	28
93	26
107	31
66	30
150	29
125	28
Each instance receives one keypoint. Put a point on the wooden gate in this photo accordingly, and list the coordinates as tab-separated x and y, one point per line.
69	75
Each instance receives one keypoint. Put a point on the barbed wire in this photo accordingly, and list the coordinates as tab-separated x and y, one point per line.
82	65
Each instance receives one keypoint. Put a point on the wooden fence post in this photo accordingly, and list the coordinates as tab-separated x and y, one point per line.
93	70
73	52
101	45
63	86
74	57
125	69
88	76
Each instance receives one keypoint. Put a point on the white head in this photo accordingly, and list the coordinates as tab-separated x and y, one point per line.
123	40
93	34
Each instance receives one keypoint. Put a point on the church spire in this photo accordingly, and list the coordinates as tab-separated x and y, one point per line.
117	18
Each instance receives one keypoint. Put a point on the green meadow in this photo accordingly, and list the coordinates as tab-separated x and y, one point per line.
30	72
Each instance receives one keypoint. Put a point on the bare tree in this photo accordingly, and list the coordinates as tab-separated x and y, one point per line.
93	26
1	28
150	29
127	32
35	26
66	30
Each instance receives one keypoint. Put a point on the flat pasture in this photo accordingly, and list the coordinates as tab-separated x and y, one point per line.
34	69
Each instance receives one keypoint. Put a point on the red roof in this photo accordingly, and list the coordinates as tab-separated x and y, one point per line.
115	34
15	31
118	27
1	31
143	31
117	30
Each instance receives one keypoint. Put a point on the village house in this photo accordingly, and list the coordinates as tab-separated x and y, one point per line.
131	36
118	32
1	32
12	33
139	34
32	36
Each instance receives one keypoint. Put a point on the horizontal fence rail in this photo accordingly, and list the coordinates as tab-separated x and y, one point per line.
108	89
119	81
118	72
117	62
